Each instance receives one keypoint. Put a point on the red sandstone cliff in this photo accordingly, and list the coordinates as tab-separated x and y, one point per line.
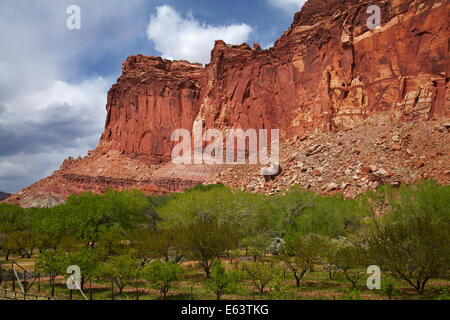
327	73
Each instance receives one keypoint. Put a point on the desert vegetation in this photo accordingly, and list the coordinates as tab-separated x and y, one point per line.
214	243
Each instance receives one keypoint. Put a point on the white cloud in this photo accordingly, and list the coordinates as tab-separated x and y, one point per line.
288	6
188	39
39	130
83	101
49	109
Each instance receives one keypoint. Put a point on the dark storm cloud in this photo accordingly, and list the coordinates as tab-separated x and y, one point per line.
60	129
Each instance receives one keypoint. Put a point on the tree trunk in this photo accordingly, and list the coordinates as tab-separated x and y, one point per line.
90	288
297	280
82	282
112	290
53	288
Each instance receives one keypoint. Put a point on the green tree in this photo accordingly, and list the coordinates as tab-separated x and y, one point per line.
389	289
206	242
111	243
123	270
257	245
88	262
260	273
417	250
293	204
69	244
223	281
215	203
426	198
52	263
26	242
162	275
164	244
89	215
278	290
302	253
352	258
333	216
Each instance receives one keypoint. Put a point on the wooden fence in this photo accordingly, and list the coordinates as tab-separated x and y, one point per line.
14	295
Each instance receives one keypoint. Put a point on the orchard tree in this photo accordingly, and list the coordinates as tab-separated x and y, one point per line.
292	204
206	242
353	259
426	199
162	275
260	273
166	244
88	262
111	243
302	253
90	215
51	264
223	281
26	242
205	204
332	216
12	223
122	270
417	250
69	244
257	245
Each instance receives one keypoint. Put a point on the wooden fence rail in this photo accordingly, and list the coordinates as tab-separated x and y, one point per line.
14	295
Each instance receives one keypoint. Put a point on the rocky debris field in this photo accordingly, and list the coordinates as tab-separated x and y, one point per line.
354	161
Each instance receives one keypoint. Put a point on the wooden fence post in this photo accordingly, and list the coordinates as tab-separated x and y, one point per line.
90	289
25	282
13	281
137	291
112	290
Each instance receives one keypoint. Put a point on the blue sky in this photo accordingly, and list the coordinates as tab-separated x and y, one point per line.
54	81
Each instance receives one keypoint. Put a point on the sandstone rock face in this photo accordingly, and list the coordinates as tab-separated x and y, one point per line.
330	72
151	99
327	74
